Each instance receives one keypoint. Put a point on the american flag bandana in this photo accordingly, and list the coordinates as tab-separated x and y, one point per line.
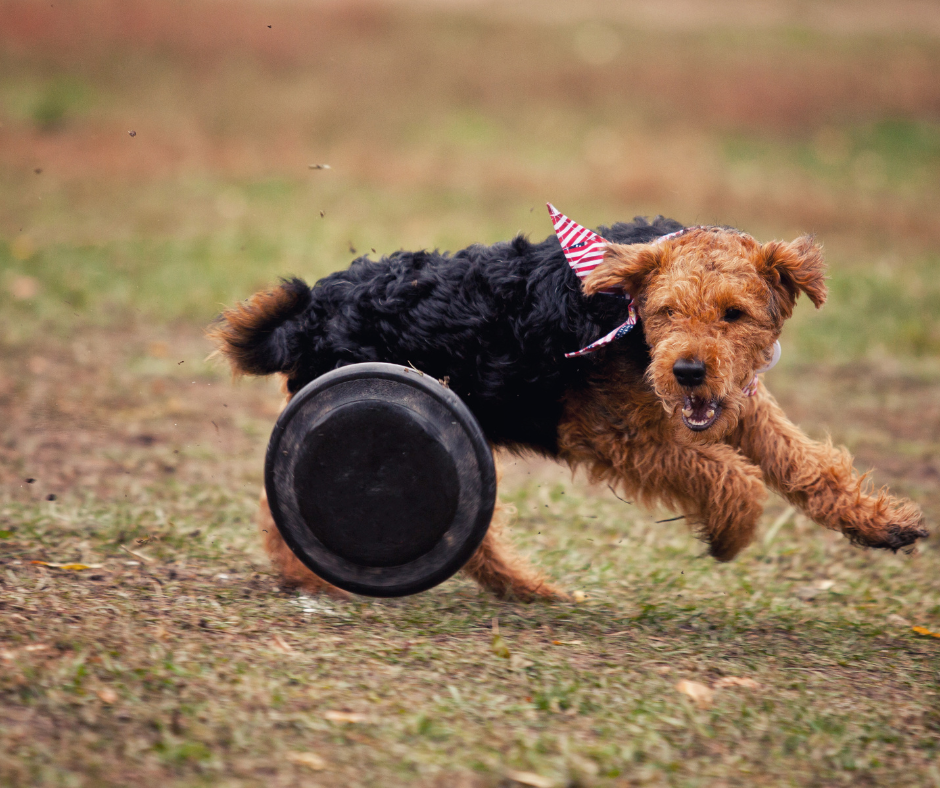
584	250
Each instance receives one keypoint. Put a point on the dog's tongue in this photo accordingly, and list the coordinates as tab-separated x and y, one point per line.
699	408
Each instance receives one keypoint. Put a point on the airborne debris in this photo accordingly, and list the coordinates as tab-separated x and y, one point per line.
132	133
319	167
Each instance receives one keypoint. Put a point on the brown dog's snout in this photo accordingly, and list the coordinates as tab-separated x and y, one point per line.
689	372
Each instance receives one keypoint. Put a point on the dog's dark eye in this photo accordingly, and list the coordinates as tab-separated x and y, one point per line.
668	311
732	314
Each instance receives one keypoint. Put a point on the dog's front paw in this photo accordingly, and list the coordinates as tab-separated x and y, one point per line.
899	526
897	537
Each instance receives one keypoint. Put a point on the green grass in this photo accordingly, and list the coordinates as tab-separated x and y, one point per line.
893	155
884	311
148	658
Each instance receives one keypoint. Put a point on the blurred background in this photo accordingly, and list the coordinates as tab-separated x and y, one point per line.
156	156
161	160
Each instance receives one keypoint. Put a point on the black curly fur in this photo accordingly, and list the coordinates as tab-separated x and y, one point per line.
496	320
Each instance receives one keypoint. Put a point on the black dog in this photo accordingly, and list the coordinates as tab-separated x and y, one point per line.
495	320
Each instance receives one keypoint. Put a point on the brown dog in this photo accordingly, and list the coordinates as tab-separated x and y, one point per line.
678	419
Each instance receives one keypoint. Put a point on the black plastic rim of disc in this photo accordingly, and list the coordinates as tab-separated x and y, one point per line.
380	479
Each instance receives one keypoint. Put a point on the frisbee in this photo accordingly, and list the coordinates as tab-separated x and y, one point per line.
380	480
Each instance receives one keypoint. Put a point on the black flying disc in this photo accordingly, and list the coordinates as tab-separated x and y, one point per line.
380	479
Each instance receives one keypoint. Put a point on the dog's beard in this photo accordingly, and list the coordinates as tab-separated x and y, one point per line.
705	414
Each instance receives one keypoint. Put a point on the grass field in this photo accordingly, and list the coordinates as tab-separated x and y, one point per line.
174	659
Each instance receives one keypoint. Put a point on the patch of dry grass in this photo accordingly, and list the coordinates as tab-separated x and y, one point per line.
174	659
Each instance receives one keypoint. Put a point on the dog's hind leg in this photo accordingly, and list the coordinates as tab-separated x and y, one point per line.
292	573
497	568
819	479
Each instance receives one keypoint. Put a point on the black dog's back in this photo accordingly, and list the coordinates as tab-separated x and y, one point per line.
495	321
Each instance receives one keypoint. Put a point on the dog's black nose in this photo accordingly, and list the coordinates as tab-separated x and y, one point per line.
690	373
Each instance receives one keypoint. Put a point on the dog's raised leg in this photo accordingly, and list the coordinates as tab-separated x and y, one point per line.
718	490
293	573
819	479
499	570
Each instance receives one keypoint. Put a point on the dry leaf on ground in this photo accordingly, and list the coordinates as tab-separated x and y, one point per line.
11	655
736	681
531	778
309	759
926	632
698	693
107	695
345	716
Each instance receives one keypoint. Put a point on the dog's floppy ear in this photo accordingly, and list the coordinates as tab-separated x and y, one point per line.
625	267
790	268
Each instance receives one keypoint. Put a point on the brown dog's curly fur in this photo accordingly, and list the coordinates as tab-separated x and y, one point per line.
713	297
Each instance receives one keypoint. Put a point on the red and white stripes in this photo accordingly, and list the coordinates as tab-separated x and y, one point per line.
584	249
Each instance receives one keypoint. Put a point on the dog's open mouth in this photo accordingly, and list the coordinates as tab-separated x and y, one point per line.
698	413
